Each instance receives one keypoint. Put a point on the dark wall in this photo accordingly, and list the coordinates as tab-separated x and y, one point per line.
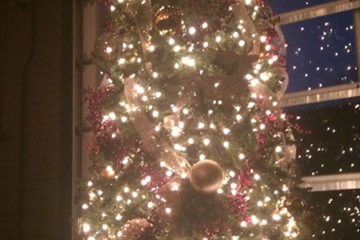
35	119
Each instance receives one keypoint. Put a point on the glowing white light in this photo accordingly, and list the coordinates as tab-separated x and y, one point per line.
201	125
124	119
112	116
241	43
192	30
226	131
226	144
188	61
85	227
218	39
278	149
176	131
92	195
241	156
265	76
238	117
108	50
105	227
257	177
121	61
125	161
176	48
139	89
206	141
158	94
251	105
151	48
276	217
178	147
204	25
254	220
168	210
134	194
155	114
171	41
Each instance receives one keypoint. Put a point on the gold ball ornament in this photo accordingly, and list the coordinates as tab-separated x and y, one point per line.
134	229
168	20
206	176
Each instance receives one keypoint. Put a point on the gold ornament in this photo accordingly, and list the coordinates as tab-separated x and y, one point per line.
167	20
134	229
206	176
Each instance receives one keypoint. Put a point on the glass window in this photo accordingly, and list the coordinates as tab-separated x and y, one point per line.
321	52
328	136
339	211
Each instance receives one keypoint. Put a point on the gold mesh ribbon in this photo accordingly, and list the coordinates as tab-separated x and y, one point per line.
156	147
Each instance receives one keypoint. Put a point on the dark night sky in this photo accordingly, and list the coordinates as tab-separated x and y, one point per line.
320	51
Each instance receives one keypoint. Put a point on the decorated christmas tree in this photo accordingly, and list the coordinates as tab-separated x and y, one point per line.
189	141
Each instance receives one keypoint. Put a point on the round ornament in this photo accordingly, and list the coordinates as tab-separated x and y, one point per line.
134	229
167	20
206	176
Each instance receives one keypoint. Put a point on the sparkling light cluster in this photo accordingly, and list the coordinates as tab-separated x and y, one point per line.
240	131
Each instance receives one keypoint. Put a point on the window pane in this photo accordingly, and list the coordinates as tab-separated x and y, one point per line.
328	137
340	214
321	52
281	6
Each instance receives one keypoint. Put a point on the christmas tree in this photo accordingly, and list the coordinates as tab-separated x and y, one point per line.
189	141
